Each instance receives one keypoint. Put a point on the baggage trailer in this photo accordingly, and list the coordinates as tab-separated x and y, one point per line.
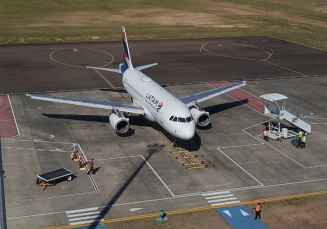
49	178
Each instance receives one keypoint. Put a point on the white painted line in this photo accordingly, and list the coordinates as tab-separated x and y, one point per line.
87	221
226	147
217	197
33	149
115	158
215	193
86	217
80	148
82	210
220	200
158	176
240	167
83	214
22	140
13	114
135	209
230	202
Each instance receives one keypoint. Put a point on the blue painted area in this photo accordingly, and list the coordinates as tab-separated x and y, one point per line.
241	217
92	227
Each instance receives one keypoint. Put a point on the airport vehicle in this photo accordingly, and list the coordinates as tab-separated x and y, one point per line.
176	116
49	178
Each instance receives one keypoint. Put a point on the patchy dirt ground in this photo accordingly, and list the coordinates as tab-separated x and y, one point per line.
300	213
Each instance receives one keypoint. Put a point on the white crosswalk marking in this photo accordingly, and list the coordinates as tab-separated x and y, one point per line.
220	198
86	215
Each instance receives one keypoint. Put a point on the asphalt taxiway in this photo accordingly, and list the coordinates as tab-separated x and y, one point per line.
136	174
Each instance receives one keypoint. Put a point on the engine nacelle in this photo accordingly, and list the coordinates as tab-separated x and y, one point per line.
119	122
200	116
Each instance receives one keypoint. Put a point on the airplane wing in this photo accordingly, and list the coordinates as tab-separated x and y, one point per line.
91	103
203	96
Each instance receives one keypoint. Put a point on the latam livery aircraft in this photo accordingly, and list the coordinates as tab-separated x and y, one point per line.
178	116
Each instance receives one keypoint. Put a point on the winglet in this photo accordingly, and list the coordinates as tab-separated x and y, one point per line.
126	52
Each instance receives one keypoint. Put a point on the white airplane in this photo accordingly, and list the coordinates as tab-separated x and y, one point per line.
178	116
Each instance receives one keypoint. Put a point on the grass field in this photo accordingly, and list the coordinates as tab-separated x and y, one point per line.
26	21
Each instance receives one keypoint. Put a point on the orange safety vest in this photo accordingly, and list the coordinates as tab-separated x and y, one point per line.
72	156
265	133
80	159
258	208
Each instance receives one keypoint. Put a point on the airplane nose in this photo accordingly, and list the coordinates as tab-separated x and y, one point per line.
188	132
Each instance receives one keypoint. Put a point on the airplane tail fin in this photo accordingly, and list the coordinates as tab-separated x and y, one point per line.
127	57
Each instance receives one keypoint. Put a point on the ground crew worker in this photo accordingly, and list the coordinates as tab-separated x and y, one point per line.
80	161
299	137
73	155
91	167
257	211
265	134
303	141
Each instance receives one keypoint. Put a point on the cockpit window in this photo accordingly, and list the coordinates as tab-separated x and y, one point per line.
181	119
175	119
171	118
188	119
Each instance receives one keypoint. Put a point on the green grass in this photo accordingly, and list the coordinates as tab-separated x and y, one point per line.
31	21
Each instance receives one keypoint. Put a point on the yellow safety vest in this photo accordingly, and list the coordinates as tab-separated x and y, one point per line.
303	139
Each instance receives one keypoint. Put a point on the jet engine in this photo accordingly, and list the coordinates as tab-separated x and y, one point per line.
119	122
200	116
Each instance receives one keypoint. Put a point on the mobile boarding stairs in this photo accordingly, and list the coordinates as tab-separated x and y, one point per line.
278	109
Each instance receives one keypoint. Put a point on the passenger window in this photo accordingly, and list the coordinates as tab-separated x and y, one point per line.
175	119
188	119
181	119
171	118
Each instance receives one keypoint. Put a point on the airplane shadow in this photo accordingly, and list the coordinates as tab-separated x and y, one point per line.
224	106
121	188
133	120
89	118
114	90
190	145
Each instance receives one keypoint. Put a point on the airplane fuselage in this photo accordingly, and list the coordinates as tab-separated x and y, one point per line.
159	105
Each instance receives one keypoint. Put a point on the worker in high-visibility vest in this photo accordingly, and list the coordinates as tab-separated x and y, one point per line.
299	138
265	134
73	155
303	139
80	161
257	211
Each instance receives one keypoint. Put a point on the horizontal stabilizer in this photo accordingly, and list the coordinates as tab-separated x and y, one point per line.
106	69
146	66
